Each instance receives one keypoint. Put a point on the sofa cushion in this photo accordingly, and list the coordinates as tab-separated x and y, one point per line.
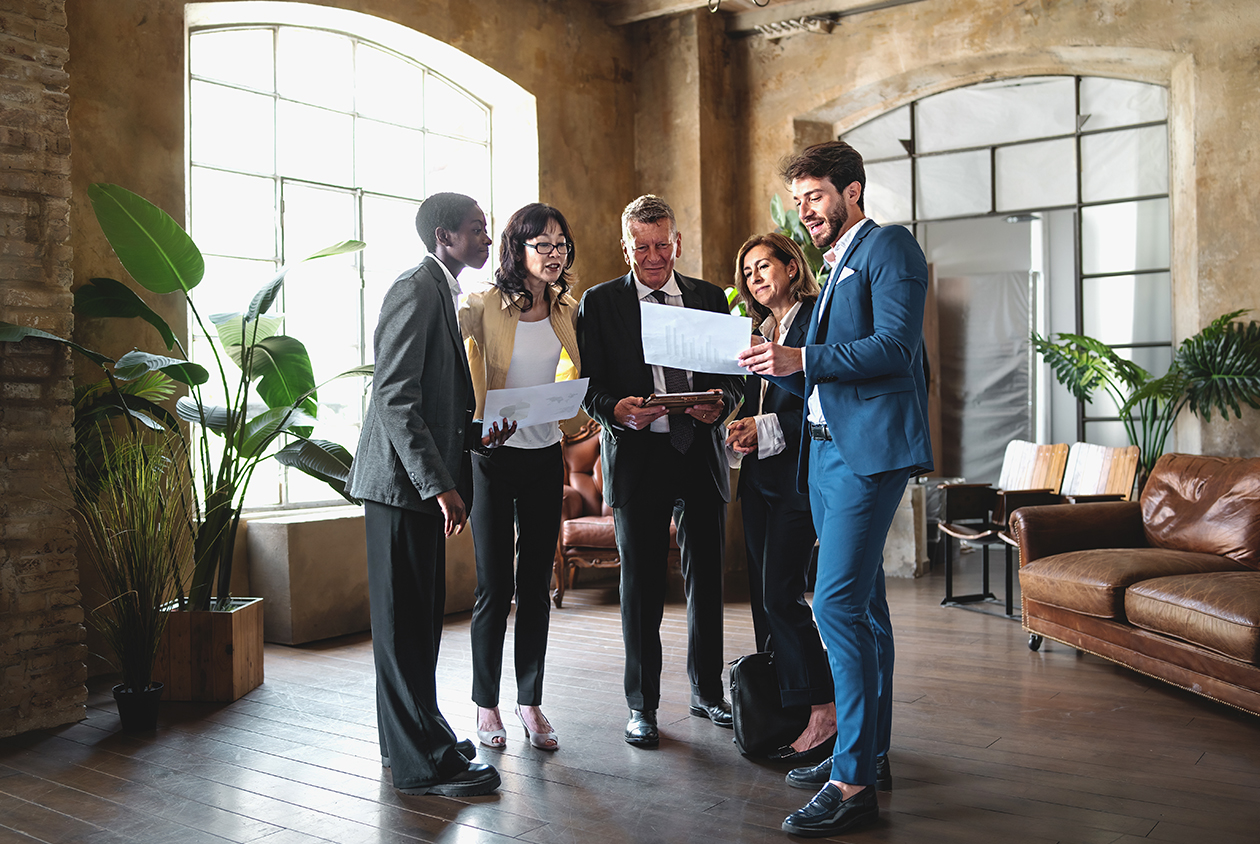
1210	505
1219	611
588	532
1093	582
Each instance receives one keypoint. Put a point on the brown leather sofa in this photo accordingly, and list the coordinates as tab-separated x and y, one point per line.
1168	585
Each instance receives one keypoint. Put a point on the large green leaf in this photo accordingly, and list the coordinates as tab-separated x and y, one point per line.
258	432
1223	370
233	332
157	252
327	461
283	369
105	297
264	298
11	333
136	363
212	416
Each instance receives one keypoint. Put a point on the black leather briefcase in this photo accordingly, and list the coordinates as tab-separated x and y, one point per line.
762	723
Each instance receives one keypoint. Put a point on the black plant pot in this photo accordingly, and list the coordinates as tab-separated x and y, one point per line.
138	711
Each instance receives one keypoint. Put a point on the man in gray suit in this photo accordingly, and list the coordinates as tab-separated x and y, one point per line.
414	474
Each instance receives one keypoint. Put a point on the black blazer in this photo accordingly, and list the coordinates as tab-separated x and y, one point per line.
611	345
778	473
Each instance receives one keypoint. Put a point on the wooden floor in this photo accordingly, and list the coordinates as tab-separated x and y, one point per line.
992	743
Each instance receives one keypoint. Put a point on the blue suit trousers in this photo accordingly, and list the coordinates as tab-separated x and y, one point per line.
852	514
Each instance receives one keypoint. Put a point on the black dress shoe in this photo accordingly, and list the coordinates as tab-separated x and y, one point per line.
641	729
719	712
479	778
830	814
822	750
818	775
465	748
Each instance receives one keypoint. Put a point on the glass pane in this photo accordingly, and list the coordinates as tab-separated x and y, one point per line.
459	166
1128	308
315	144
1118	102
954	185
389	229
315	67
1130	162
389	158
1125	236
996	112
888	191
232	128
1039	175
1154	360
230	285
240	56
233	214
1110	434
388	87
452	112
315	218
882	137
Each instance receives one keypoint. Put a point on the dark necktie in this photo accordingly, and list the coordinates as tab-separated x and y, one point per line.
681	426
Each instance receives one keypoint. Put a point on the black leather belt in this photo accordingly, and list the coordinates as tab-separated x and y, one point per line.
819	432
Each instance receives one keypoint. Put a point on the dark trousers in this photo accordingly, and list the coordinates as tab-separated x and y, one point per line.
852	514
517	494
406	553
642	526
779	535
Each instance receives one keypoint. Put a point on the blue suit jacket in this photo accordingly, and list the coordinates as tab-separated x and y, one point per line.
864	352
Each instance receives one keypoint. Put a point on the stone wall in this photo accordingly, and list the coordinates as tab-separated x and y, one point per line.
41	623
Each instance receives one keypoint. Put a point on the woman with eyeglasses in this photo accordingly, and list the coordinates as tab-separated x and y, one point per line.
519	333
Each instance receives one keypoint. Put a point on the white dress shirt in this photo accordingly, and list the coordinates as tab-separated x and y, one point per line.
830	257
450	282
673	296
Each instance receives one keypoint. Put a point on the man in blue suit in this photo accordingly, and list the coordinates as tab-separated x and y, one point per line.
861	373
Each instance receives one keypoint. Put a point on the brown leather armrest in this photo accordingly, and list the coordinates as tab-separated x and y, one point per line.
1091	499
1059	528
1010	500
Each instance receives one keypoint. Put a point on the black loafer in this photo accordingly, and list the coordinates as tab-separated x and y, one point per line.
818	775
641	729
719	712
820	751
465	748
830	814
479	778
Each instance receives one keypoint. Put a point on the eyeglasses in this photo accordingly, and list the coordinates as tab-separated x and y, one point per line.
545	248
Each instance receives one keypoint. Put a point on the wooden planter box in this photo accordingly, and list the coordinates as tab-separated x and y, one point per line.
212	655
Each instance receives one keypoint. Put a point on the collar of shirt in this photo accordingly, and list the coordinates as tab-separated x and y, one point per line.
670	287
450	282
836	252
787	323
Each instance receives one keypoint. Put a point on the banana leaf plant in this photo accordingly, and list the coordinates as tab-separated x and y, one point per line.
1217	369
789	223
162	258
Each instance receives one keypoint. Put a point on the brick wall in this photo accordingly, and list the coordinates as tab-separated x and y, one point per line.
41	621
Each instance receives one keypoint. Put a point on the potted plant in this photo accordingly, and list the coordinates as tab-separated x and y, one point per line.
227	440
1217	369
133	529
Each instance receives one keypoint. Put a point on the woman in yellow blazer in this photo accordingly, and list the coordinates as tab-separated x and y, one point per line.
519	333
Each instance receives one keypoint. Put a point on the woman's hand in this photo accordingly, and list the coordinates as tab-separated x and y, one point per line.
742	435
498	435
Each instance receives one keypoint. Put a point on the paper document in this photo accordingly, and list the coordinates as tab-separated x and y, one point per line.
686	338
534	405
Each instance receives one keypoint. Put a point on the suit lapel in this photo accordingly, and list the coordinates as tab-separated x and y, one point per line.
824	301
438	278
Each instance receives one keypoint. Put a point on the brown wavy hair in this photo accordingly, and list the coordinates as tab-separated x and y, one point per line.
786	251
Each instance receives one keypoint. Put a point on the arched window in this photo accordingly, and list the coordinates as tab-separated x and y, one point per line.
308	126
1043	203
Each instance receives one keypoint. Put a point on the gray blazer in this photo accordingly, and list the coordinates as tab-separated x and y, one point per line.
415	438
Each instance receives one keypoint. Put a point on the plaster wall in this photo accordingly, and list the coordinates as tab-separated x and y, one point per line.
1206	53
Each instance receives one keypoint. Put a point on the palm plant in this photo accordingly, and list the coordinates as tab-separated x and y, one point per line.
162	258
1217	369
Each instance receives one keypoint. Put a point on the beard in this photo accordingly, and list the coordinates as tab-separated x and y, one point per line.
830	233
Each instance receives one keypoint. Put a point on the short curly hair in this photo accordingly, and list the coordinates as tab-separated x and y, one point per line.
441	211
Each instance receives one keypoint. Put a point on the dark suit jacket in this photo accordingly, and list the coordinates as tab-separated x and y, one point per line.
864	351
779	471
611	345
415	438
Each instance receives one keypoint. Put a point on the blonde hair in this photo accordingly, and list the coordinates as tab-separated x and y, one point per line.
786	251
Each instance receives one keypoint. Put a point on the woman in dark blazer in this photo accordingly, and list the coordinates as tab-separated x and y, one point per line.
776	285
519	333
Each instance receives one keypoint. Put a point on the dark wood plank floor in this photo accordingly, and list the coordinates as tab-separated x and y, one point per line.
992	743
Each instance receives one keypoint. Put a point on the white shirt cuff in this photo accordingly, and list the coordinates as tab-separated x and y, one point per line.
770	440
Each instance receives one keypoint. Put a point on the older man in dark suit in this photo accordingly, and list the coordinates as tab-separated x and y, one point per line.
414	473
655	462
